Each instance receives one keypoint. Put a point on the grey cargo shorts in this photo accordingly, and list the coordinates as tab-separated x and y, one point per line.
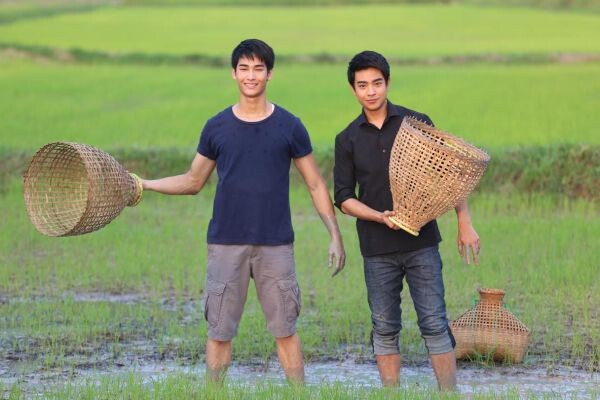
228	274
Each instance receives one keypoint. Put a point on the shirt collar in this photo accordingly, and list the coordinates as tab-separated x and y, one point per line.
392	111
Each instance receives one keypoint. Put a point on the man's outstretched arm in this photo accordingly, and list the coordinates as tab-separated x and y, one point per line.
307	167
189	183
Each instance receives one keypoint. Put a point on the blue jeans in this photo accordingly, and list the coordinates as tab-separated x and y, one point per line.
423	271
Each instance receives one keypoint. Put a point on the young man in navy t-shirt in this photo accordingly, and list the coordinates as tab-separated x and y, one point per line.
250	235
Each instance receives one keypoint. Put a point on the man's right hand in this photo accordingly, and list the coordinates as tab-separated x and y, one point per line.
385	219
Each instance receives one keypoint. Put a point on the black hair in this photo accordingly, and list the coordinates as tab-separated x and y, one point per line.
368	59
251	48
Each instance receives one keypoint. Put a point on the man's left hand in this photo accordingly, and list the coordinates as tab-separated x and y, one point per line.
468	243
337	254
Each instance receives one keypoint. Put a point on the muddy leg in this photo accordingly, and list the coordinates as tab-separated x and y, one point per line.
218	358
289	351
444	366
389	369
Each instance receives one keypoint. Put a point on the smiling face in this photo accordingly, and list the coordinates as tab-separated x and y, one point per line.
251	75
370	88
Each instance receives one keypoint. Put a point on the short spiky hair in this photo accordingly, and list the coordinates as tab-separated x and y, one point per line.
368	59
251	48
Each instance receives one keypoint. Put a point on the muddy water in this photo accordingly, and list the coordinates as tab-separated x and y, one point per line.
526	381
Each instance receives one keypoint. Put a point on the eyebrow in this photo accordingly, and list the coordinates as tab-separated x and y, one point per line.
374	80
255	66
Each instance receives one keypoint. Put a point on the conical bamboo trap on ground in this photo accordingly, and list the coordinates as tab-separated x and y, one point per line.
490	330
431	172
72	189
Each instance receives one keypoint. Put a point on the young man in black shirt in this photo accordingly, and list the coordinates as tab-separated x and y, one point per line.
362	155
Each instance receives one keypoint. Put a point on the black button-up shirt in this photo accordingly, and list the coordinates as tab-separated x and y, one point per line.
362	156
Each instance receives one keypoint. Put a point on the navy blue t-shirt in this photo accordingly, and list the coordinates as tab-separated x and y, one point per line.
251	205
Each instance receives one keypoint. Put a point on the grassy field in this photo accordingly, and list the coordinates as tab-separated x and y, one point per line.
188	386
576	5
120	106
414	30
131	293
156	254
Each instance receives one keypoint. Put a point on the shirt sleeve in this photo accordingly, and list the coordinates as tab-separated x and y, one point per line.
206	145
300	145
344	179
428	120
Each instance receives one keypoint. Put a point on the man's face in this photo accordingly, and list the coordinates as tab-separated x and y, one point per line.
370	88
252	76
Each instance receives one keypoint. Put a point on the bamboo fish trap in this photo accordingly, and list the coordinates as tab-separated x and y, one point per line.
72	189
489	329
431	172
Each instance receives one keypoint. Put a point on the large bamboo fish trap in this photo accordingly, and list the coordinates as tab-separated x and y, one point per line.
490	330
431	172
72	189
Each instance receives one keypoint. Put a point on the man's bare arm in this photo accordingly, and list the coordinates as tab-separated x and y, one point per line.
189	183
307	167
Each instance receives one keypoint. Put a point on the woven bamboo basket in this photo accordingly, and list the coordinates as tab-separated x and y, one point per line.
489	329
431	172
72	189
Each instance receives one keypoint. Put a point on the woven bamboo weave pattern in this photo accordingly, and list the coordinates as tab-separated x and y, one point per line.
431	172
72	189
489	329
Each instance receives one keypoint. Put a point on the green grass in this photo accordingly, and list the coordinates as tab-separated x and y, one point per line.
121	106
581	5
189	386
541	250
405	31
11	11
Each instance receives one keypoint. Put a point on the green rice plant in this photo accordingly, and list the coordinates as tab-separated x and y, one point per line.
120	107
188	386
11	11
14	393
576	5
314	30
57	310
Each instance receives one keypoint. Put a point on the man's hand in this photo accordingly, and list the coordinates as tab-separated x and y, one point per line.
386	220
468	243
337	254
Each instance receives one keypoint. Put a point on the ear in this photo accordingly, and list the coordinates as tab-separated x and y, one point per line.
233	73
269	75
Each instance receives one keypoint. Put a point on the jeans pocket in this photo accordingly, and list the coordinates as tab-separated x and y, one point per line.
291	298
213	301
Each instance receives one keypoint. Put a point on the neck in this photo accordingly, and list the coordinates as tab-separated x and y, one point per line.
253	105
376	117
253	109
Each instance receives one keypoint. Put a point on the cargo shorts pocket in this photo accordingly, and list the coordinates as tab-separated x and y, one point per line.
213	301
291	298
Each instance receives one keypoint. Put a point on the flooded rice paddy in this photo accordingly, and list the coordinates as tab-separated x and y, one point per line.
526	381
138	357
